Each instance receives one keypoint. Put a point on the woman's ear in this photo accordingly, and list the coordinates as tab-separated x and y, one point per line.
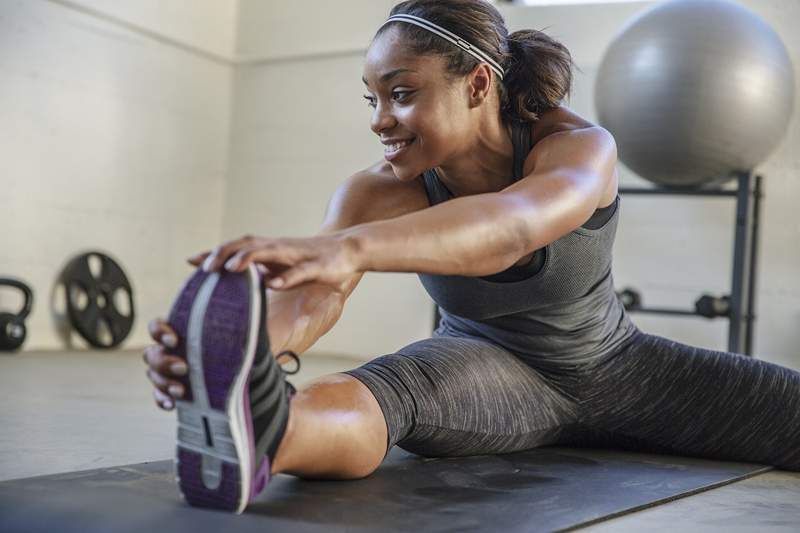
479	84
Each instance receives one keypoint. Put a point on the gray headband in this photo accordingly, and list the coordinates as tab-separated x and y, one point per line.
474	51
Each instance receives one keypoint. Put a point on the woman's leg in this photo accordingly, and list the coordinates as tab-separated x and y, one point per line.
436	397
454	396
663	396
335	430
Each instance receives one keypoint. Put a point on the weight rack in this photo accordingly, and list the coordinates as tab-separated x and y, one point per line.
741	314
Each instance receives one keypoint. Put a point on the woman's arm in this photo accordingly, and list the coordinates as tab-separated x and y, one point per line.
299	316
566	175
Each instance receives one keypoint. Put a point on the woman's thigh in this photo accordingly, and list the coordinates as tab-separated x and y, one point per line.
454	396
660	395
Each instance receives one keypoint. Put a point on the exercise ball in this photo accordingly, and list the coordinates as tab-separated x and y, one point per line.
695	90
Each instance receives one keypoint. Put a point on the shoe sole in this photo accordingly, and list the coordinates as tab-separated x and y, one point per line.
215	457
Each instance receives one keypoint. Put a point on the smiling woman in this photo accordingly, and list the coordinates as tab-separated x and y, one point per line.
504	202
418	74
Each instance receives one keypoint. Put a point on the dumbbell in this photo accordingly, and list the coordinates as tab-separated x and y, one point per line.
630	298
713	306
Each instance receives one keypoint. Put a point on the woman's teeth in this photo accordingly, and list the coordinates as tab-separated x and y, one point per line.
397	146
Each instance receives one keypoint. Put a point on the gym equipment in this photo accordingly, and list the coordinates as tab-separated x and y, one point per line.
713	306
695	90
707	305
543	489
12	325
739	306
630	298
99	299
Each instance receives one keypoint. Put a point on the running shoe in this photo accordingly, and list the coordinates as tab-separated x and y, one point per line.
235	407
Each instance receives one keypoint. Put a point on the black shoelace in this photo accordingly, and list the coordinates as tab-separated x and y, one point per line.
295	371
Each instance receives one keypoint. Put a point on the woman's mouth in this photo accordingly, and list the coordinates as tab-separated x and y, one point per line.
395	150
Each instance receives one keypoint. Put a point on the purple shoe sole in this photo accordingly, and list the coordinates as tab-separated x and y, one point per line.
217	317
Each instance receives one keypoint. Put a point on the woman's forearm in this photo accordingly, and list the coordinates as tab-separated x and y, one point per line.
298	317
473	235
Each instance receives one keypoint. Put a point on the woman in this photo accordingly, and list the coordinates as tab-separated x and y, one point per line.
505	203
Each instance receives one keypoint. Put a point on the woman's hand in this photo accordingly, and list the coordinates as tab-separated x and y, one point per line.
331	259
164	369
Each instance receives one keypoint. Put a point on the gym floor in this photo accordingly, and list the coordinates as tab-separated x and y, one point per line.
82	410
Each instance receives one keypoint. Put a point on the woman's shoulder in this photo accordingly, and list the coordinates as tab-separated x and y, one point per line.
381	177
560	134
562	138
557	120
376	193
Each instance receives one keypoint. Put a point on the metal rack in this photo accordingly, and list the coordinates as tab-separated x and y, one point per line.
739	306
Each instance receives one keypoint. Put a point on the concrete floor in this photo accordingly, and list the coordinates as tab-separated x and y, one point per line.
67	411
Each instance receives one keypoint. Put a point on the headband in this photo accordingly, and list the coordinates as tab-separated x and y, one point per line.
474	51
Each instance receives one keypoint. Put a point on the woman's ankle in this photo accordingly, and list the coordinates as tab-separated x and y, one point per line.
278	463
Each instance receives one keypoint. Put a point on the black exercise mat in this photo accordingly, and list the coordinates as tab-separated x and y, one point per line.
545	489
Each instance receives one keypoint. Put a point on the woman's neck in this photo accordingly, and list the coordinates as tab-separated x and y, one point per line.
483	165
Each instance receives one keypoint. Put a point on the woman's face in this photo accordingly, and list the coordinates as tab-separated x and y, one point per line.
419	115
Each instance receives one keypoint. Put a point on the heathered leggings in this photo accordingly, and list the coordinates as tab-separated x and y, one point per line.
456	396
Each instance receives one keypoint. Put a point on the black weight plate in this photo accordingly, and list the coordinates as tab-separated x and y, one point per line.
100	303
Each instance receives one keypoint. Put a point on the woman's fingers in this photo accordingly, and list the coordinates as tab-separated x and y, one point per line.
236	255
294	276
214	259
164	364
197	260
268	253
167	386
160	368
162	332
163	400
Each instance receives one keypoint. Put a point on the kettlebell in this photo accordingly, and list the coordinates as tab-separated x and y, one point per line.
12	326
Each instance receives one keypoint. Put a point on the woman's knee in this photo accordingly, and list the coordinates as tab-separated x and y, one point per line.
349	412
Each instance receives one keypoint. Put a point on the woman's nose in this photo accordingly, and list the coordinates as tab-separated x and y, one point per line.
381	119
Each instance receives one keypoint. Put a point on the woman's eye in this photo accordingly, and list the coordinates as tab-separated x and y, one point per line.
397	95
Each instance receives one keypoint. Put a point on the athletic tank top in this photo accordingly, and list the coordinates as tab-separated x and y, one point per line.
559	309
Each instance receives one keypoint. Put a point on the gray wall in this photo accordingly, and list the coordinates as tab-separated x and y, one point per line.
112	139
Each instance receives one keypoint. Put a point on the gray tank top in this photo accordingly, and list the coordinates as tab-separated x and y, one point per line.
558	310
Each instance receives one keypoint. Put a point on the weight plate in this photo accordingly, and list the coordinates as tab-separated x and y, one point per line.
92	300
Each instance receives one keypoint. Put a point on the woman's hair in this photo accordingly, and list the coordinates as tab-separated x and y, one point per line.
538	69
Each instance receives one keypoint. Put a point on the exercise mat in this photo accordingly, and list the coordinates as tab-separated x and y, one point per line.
544	489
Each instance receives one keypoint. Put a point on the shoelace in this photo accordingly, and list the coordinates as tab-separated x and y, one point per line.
295	371
293	356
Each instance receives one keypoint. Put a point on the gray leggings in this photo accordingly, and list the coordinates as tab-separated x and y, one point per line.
456	396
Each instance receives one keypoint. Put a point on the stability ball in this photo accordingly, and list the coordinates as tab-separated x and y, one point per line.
694	90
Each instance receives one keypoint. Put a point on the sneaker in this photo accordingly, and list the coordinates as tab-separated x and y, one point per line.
235	408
